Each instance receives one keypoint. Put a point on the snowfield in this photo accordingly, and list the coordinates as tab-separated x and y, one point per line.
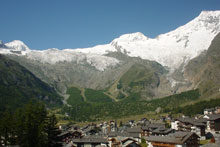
171	49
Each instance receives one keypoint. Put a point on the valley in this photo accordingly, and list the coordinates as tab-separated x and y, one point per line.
132	75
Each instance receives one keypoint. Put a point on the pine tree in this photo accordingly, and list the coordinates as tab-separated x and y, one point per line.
52	131
5	128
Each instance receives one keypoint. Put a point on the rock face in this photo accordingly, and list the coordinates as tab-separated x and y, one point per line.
104	66
204	70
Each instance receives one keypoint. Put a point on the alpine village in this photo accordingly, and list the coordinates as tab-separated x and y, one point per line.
135	91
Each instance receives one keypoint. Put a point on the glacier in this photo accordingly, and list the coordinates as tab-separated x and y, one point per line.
171	49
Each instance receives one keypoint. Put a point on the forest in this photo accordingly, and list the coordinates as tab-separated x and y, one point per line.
29	126
90	111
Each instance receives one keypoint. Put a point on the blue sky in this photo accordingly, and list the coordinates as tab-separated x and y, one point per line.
43	24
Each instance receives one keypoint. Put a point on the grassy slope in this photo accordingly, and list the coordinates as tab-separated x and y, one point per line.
75	96
96	96
115	110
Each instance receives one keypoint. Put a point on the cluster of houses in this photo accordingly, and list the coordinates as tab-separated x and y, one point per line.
183	132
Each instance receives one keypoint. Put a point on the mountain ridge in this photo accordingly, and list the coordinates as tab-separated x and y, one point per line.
170	49
104	66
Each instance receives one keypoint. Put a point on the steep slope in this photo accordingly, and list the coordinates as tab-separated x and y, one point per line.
98	68
147	78
204	71
63	75
170	49
18	86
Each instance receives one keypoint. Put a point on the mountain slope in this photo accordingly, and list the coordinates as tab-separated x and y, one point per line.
170	49
204	71
18	86
103	67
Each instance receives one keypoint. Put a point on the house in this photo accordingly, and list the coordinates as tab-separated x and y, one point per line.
148	129
180	139
67	136
90	142
128	142
213	123
162	131
123	139
190	124
209	111
135	133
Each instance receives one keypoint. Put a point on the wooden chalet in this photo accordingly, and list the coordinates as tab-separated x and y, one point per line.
180	139
213	123
90	142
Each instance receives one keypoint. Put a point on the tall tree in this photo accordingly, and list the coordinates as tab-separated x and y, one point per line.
5	128
52	131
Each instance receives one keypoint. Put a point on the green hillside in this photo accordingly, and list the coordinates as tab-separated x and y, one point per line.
88	111
75	96
96	96
18	86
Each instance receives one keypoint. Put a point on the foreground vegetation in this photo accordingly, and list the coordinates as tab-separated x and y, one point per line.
28	126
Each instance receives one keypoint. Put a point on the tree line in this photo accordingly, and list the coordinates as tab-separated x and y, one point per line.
29	126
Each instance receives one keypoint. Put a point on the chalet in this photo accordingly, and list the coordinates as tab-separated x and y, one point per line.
135	132
90	142
119	136
209	111
180	139
148	129
190	124
69	135
128	142
123	139
213	123
162	131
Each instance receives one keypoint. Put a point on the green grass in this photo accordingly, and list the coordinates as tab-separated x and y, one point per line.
96	96
75	96
202	142
91	111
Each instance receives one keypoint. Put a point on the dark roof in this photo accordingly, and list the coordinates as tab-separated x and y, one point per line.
90	140
134	130
123	134
152	126
202	120
176	138
162	130
214	116
195	122
156	125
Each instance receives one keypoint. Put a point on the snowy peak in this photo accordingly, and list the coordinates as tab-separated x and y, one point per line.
131	37
17	45
171	49
176	47
209	15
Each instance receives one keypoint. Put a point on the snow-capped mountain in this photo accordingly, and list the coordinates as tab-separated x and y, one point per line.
15	47
53	56
170	49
